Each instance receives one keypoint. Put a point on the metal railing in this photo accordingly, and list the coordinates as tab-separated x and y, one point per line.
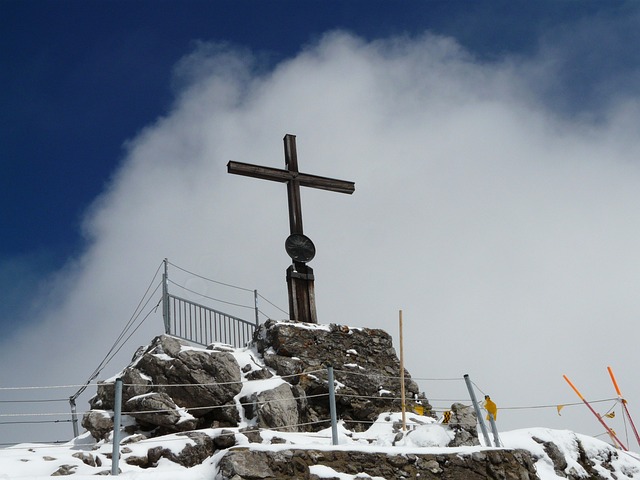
200	324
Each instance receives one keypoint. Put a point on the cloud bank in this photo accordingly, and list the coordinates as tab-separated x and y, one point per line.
506	231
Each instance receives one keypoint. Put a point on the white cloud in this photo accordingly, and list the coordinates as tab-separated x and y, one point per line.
507	234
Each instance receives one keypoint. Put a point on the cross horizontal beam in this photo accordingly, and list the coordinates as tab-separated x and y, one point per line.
284	176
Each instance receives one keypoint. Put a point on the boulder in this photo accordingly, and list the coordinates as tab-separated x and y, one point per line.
366	369
215	377
173	376
202	446
99	423
159	410
275	408
464	423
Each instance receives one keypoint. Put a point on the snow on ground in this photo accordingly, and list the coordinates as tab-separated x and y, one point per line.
424	435
626	463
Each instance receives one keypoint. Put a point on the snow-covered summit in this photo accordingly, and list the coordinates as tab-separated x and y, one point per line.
263	412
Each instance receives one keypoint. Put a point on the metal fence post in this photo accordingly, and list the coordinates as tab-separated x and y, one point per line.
74	416
165	298
494	430
255	302
117	409
332	406
476	407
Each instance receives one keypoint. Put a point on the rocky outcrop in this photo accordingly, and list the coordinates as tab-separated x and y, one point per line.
171	386
242	402
290	464
366	370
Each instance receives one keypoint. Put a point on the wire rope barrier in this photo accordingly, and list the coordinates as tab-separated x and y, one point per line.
46	400
217	282
134	316
211	298
312	372
209	279
272	304
238	403
338	394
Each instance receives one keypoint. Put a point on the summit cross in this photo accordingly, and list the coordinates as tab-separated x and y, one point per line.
299	275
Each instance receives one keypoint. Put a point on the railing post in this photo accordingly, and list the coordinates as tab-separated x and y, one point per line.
255	302
74	416
332	406
494	430
117	409
476	407
165	298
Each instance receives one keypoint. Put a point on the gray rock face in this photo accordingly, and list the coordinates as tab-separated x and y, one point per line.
241	464
301	352
275	408
99	423
215	377
464	423
169	375
158	409
203	447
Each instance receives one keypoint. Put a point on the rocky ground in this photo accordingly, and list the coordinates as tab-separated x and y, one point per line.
263	412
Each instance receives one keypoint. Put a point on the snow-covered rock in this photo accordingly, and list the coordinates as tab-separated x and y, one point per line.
262	412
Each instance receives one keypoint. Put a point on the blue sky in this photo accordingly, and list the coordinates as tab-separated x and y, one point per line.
79	78
517	120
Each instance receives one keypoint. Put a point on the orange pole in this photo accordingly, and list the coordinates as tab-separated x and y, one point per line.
611	433
615	384
574	387
624	405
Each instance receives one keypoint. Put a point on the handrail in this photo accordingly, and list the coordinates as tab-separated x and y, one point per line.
204	325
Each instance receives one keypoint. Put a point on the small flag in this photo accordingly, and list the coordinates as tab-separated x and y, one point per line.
610	415
559	407
418	409
490	407
446	416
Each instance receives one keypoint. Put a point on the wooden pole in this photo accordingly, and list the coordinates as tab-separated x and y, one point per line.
404	417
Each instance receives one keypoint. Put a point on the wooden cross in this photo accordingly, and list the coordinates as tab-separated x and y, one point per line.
299	276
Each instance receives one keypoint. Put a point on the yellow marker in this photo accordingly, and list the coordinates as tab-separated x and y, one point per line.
490	407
